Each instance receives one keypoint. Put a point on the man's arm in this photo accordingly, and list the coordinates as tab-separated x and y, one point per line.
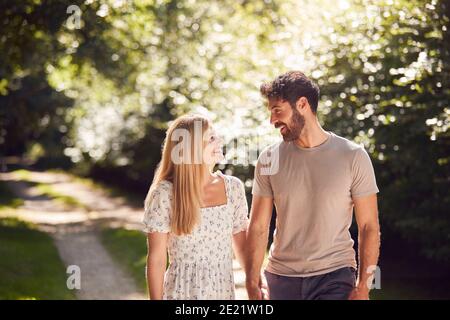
156	263
366	213
257	237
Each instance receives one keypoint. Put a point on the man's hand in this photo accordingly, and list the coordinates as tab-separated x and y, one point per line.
259	291
359	294
366	213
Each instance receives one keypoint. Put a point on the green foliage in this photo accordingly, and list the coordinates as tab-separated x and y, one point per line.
34	41
101	96
386	83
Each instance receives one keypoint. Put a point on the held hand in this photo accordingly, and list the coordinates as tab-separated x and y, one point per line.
359	294
254	292
258	291
264	287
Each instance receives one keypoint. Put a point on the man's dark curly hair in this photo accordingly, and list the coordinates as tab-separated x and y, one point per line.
291	86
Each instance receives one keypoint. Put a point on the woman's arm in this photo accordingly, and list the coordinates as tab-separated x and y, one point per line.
239	247
257	238
240	221
156	263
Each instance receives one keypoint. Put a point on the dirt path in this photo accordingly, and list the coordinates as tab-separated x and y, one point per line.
75	232
100	276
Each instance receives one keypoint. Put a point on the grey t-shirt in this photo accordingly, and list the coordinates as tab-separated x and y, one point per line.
312	189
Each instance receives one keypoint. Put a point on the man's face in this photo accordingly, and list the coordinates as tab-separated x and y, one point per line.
289	120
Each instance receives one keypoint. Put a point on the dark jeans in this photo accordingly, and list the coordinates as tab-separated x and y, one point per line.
335	285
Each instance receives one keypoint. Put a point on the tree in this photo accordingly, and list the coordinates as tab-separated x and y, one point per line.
385	81
35	40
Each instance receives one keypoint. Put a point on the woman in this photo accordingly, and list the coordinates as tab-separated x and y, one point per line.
194	214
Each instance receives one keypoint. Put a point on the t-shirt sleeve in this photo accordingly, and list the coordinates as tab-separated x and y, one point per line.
158	209
240	216
261	181
363	175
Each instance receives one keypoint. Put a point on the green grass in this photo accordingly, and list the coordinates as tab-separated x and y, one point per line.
23	174
410	277
411	289
131	198
128	248
48	191
7	199
30	267
68	201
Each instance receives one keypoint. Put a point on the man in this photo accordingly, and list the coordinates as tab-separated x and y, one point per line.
315	178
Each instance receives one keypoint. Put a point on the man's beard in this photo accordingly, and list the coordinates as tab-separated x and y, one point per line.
295	128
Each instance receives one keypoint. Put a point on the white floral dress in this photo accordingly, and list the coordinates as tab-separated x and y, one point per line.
201	266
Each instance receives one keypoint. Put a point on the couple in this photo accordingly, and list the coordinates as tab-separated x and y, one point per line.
313	177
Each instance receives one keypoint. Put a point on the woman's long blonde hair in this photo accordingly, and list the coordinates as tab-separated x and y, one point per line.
185	168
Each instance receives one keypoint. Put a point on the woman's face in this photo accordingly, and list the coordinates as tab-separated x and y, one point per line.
212	152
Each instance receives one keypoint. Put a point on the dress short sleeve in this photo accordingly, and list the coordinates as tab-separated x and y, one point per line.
158	209
240	206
